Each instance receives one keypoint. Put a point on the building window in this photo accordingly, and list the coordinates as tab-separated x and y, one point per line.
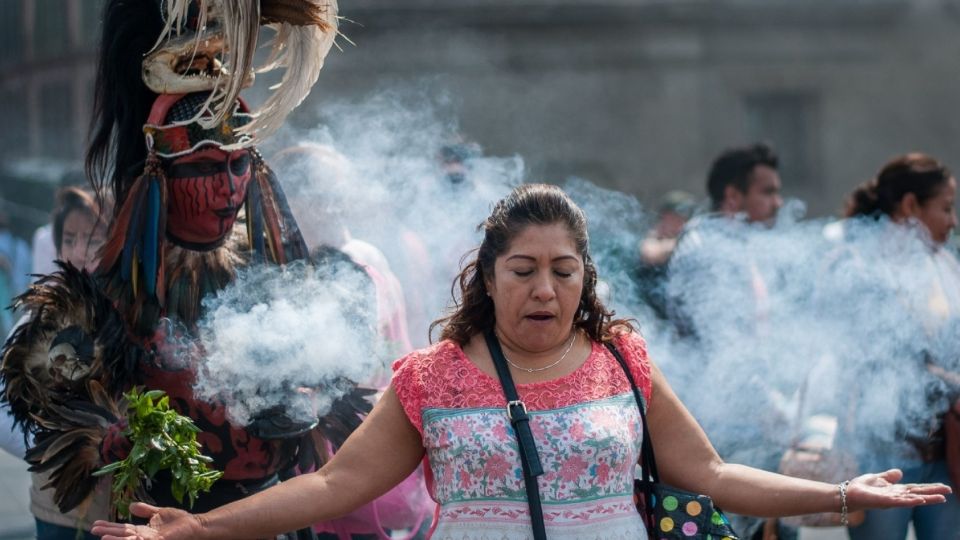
788	121
14	139
57	135
11	32
51	36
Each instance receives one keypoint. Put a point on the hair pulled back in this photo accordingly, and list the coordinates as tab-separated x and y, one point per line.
528	204
915	173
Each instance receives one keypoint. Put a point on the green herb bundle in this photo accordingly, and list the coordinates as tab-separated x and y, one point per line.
161	439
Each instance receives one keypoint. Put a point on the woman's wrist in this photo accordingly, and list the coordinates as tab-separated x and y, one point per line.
842	496
202	529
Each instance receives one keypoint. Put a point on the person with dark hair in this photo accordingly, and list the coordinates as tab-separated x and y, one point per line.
79	231
899	223
527	305
176	147
744	188
745	180
43	245
910	187
79	228
712	260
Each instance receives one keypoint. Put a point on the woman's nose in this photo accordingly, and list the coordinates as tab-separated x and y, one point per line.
543	289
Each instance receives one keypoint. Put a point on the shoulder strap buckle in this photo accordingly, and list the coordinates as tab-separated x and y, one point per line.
516	403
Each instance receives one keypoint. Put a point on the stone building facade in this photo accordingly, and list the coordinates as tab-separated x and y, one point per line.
636	95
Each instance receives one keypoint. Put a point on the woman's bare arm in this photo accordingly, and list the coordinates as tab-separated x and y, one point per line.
687	460
383	451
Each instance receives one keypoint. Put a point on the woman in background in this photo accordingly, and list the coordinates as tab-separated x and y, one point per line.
78	233
918	276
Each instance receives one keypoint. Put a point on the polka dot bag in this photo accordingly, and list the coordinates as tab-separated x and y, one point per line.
671	513
678	514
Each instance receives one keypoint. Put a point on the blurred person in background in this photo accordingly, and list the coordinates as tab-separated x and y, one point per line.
43	245
78	233
711	261
676	208
745	181
744	188
913	198
321	183
15	260
454	160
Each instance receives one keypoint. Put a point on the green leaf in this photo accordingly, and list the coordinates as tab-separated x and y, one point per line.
154	394
107	469
161	439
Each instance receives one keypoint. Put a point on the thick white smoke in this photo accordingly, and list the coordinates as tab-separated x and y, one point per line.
371	182
287	339
766	326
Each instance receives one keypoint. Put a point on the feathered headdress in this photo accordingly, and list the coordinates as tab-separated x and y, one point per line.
210	45
133	256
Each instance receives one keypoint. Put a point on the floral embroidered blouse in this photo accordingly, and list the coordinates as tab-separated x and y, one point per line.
586	426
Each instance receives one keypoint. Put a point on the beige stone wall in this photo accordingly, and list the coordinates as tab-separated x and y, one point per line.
641	95
634	94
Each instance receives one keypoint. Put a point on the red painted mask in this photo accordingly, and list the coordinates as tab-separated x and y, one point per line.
206	189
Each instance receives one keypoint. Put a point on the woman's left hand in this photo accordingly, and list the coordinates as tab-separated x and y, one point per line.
881	490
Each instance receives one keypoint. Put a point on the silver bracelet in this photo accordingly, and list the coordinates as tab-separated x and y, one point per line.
843	502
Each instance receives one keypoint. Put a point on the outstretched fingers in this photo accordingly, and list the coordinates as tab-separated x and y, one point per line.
926	493
911	494
881	490
116	531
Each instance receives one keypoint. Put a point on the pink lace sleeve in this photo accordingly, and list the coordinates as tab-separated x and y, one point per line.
634	350
407	382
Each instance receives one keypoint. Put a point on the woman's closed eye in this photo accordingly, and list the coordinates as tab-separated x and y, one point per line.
523	273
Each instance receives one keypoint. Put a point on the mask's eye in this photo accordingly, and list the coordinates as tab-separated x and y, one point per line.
195	169
240	164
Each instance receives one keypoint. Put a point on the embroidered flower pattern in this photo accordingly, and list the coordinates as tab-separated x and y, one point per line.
486	459
586	426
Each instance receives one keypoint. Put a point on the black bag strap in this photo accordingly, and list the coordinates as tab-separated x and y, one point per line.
648	462
517	413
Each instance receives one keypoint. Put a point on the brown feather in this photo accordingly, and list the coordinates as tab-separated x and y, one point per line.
295	12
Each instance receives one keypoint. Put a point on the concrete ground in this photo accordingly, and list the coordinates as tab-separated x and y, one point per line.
16	523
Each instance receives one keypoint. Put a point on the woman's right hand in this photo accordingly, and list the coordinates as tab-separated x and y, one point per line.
164	524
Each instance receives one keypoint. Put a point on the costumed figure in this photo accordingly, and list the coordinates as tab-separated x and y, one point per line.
174	143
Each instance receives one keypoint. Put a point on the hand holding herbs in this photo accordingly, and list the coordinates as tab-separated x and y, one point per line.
161	439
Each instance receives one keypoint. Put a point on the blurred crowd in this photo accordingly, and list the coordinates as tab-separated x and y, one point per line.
835	337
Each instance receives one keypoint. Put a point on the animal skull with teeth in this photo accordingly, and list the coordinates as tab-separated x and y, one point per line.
209	45
71	355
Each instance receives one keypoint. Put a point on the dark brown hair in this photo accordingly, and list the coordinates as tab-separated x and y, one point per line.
69	200
528	204
734	167
915	173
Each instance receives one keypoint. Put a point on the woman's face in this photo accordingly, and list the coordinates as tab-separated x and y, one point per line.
536	288
82	240
939	214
